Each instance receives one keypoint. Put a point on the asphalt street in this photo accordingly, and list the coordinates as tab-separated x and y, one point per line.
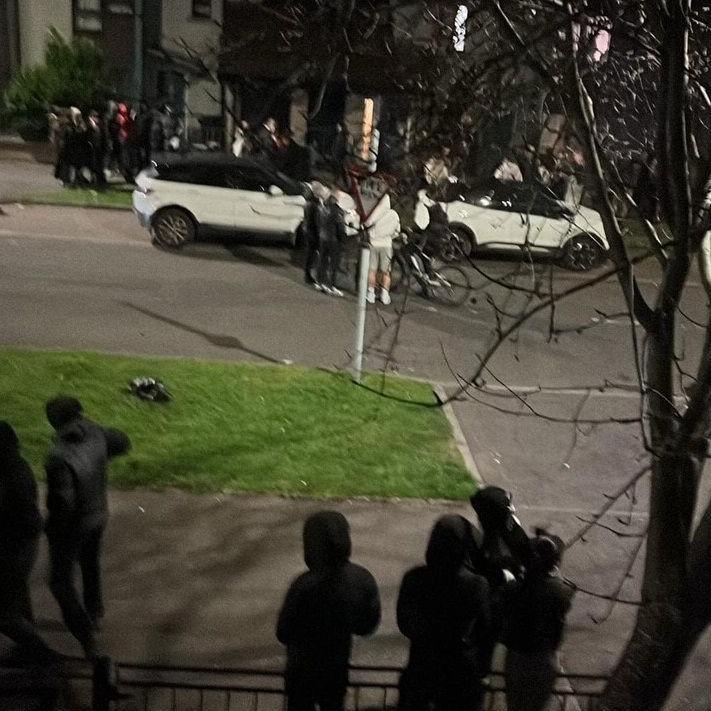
90	279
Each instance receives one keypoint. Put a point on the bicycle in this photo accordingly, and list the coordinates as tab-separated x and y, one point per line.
445	283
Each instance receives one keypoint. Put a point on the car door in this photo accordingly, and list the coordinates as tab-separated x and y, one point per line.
245	189
210	198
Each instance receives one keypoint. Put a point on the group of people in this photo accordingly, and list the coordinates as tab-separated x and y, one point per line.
478	586
122	140
77	513
273	145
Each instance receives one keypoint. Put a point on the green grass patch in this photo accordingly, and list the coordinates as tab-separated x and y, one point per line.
238	427
112	197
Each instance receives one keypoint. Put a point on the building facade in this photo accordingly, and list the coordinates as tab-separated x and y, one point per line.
160	51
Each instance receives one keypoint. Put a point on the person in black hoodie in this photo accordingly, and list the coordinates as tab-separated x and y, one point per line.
78	512
20	527
534	619
324	607
443	609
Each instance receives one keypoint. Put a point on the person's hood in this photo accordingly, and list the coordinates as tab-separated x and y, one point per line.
9	442
72	432
492	505
327	540
450	543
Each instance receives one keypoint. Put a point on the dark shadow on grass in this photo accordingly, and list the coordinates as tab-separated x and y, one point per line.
216	339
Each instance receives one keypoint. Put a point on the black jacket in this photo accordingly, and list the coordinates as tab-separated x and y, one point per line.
443	608
76	475
324	607
324	221
20	518
534	613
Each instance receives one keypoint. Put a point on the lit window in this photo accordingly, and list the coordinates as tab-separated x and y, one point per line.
202	9
87	16
460	28
368	110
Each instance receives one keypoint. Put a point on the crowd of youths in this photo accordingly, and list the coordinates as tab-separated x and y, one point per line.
479	585
121	140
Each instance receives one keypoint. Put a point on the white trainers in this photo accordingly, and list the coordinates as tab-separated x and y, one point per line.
317	286
336	292
385	296
370	296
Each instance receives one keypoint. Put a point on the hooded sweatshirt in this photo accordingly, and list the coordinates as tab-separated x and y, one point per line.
324	607
20	519
76	475
443	606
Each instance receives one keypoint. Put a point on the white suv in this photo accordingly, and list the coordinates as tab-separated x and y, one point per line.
177	196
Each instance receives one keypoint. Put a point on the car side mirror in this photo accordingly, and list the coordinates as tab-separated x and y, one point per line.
275	191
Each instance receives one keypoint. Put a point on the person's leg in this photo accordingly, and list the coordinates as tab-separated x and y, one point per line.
26	556
90	563
372	274
336	251
324	262
63	555
311	255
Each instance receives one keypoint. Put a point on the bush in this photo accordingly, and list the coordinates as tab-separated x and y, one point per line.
72	75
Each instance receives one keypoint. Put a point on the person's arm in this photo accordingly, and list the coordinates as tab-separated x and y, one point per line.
291	614
61	494
411	619
24	502
368	617
117	442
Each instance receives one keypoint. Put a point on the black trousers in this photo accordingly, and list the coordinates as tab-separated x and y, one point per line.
312	252
329	261
66	553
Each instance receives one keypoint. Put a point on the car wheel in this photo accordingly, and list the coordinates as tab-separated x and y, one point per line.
172	228
581	253
465	239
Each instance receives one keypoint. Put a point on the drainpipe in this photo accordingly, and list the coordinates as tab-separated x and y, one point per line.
138	50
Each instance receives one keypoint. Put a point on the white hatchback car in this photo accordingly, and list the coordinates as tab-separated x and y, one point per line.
177	196
515	215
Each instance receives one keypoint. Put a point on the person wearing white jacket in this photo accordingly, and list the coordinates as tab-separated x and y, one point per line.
383	225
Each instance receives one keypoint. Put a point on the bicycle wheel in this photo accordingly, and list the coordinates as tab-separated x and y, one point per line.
449	285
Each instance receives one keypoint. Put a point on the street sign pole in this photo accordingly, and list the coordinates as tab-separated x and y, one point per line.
357	369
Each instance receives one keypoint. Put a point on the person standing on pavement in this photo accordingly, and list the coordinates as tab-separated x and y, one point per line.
127	140
78	512
534	619
326	223
324	607
98	140
20	528
443	608
383	225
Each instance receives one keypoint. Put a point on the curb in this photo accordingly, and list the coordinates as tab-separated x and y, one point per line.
24	201
458	434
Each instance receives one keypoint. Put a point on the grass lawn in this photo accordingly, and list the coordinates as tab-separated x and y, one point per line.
112	197
243	427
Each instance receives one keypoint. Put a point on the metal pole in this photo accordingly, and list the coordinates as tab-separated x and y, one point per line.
361	305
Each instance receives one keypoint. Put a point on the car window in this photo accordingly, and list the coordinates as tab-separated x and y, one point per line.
248	179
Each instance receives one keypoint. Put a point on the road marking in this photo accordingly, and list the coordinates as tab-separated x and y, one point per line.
9	234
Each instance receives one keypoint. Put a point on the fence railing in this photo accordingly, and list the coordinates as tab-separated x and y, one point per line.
166	688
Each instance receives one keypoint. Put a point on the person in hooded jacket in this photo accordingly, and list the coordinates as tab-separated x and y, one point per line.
534	619
501	550
443	609
77	509
324	607
20	527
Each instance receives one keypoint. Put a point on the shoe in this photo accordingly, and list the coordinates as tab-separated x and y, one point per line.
336	292
370	296
385	296
317	286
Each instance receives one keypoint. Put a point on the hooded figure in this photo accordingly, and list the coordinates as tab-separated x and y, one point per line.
20	527
78	511
324	607
534	620
443	609
502	551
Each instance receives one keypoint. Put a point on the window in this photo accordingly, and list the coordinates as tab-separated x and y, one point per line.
87	16
121	7
202	9
246	179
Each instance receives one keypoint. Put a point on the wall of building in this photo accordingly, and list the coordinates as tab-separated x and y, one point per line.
35	19
184	34
9	42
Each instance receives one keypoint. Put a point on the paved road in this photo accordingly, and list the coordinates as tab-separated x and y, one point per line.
89	278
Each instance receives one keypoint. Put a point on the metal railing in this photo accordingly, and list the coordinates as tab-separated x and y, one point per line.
198	688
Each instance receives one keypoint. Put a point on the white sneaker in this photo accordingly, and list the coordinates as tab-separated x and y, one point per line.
317	286
327	289
385	296
336	292
370	296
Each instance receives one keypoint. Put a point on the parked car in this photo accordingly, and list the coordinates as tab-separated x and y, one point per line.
177	196
511	215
